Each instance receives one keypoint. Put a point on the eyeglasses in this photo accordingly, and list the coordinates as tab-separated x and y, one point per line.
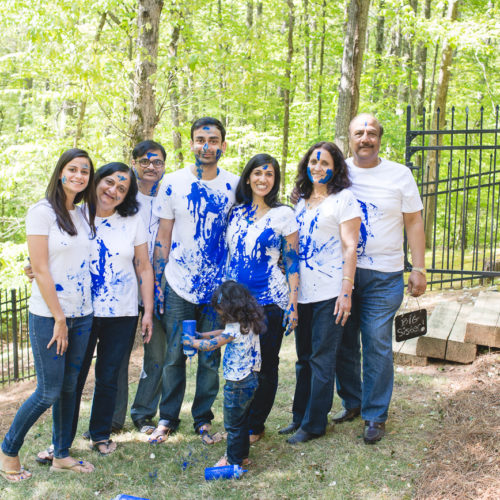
144	162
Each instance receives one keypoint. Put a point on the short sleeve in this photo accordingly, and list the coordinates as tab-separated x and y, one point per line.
232	329
288	222
140	232
39	219
163	206
411	201
349	207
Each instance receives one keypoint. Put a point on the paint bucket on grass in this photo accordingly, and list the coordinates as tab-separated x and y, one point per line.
224	472
189	328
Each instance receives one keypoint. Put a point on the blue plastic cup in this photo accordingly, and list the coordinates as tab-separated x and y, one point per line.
224	472
189	328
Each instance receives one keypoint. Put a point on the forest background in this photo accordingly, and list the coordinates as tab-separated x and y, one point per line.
281	75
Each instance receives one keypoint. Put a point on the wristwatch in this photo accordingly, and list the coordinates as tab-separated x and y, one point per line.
420	270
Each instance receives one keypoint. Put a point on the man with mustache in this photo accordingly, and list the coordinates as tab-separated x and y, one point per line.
389	199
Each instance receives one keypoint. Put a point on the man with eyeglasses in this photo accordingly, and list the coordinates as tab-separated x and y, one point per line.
148	163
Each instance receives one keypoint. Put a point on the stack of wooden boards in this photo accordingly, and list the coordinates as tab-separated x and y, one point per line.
454	330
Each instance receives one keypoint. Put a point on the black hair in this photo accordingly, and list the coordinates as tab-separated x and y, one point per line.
130	205
56	196
235	304
338	182
143	147
206	121
243	189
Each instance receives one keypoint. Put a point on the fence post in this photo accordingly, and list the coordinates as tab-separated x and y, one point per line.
13	299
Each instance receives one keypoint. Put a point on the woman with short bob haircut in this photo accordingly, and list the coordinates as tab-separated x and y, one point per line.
260	232
60	310
328	216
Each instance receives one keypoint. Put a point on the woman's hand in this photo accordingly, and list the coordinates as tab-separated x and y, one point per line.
290	318
60	336
147	327
342	309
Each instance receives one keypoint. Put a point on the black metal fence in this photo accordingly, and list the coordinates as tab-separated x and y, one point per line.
459	181
16	361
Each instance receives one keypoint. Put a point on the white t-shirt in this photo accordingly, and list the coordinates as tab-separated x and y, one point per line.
114	282
68	261
151	221
320	247
384	193
198	252
241	355
254	250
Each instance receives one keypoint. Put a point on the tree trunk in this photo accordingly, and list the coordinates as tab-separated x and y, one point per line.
434	158
174	96
404	91
143	117
286	95
321	65
307	67
379	49
352	62
421	63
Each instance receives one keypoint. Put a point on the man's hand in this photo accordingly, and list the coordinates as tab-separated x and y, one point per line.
417	283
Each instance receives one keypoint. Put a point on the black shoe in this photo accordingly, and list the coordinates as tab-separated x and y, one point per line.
289	428
302	437
144	425
374	431
346	415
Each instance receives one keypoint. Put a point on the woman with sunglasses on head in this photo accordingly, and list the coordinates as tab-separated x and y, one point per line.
60	310
261	231
329	219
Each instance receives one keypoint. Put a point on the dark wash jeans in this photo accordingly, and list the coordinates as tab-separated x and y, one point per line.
112	336
174	368
270	345
317	338
375	301
56	383
238	396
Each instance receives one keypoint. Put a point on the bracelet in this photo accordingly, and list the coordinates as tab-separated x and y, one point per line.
348	279
420	270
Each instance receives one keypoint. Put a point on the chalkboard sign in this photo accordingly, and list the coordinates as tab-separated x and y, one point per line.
411	324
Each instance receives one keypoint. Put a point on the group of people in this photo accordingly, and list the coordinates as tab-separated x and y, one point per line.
204	244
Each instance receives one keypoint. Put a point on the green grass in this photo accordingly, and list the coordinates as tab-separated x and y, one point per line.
338	465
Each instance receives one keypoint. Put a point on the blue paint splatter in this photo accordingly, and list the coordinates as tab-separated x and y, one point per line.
264	167
168	191
318	155
327	177
205	147
370	214
218	154
151	155
121	177
228	186
206	128
64	180
59	288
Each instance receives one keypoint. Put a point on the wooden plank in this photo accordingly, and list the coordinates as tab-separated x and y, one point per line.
439	326
483	326
407	354
456	349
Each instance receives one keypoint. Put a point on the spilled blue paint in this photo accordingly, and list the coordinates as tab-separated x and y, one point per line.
370	213
151	155
121	177
327	177
318	155
59	287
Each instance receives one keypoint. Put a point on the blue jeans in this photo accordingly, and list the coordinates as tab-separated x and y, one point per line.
56	383
112	336
270	345
148	392
376	298
174	368
317	338
237	399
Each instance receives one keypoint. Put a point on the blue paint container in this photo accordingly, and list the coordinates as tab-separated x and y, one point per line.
224	472
189	328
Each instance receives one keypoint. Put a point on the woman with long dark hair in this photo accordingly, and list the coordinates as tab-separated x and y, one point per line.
260	232
60	309
329	219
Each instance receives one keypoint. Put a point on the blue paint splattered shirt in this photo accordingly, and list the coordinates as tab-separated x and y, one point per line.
384	193
241	355
254	250
320	248
114	282
68	261
198	251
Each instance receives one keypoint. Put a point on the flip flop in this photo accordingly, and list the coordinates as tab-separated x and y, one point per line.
253	438
159	436
46	456
22	473
106	443
71	468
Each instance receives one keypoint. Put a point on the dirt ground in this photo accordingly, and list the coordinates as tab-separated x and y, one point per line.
463	457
